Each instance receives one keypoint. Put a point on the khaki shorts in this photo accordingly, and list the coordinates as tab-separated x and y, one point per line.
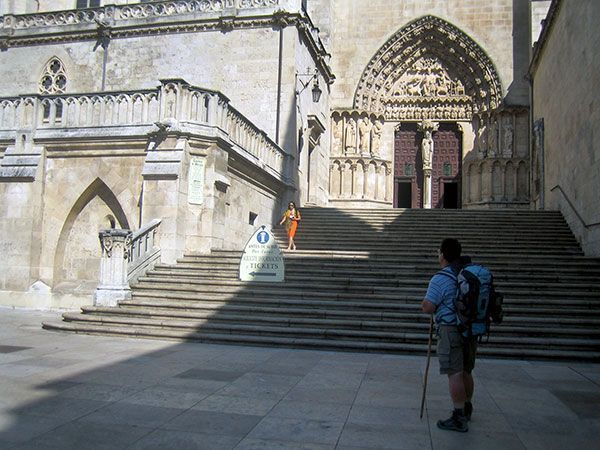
455	353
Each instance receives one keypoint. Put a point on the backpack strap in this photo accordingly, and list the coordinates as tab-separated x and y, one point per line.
455	278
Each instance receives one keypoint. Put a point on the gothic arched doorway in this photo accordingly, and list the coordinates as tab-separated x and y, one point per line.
427	181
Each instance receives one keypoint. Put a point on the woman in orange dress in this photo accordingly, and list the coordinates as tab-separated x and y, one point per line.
291	217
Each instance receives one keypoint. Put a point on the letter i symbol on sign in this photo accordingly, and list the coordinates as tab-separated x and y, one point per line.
263	237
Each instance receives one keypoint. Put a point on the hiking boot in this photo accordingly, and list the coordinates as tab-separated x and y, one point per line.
456	422
468	410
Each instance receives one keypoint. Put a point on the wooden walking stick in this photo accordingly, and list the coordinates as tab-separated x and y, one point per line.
427	366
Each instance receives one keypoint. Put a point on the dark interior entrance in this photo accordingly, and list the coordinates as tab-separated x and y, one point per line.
450	195
403	194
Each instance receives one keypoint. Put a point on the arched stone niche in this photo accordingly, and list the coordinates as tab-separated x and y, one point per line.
497	183
429	70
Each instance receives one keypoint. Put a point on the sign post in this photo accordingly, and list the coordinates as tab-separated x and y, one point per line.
262	259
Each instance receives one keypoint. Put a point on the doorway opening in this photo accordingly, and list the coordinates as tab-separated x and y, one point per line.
403	194
450	195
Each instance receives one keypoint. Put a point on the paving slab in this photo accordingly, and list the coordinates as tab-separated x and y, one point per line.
78	391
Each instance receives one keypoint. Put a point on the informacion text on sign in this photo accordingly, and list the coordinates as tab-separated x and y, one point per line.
262	259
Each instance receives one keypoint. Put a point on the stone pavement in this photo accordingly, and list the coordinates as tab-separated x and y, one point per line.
66	391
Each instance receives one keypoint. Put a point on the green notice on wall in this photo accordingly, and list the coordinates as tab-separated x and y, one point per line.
196	181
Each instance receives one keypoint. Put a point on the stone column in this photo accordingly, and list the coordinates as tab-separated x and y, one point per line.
113	286
427	188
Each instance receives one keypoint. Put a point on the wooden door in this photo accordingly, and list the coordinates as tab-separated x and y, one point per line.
408	165
446	165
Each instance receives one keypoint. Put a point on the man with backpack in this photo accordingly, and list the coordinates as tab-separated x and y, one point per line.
456	353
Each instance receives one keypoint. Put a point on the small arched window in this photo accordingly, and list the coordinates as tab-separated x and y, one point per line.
54	78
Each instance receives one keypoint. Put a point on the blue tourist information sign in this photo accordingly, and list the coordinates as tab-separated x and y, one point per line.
262	259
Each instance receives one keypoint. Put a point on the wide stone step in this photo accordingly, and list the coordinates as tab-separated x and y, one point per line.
360	303
404	255
515	251
405	312
363	286
340	319
395	277
316	344
511	298
336	339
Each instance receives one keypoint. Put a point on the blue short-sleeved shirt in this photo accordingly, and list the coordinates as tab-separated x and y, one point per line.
442	293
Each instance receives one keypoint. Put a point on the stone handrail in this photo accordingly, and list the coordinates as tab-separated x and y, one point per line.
173	99
112	13
583	222
144	252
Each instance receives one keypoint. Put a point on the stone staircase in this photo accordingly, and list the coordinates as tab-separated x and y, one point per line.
357	281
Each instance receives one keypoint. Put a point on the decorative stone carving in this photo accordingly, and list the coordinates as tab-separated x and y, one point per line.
493	138
429	70
358	178
376	137
427	150
350	141
364	128
507	137
495	174
113	286
361	132
337	127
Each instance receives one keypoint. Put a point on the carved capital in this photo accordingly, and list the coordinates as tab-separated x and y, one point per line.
115	241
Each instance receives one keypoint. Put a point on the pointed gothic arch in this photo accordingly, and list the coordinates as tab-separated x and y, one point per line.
429	69
96	190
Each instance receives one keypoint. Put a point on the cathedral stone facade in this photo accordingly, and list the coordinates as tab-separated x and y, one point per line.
192	122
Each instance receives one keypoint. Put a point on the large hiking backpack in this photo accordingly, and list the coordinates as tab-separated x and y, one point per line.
477	303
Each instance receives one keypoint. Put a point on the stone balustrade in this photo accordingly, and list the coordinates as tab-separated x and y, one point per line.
174	99
144	249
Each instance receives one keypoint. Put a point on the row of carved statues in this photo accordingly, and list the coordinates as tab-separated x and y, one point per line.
499	135
356	133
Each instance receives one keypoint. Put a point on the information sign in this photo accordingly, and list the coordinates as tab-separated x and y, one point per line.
196	181
262	259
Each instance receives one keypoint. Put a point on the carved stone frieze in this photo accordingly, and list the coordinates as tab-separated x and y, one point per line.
429	70
135	11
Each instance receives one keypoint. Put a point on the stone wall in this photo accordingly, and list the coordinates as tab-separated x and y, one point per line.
565	98
246	72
